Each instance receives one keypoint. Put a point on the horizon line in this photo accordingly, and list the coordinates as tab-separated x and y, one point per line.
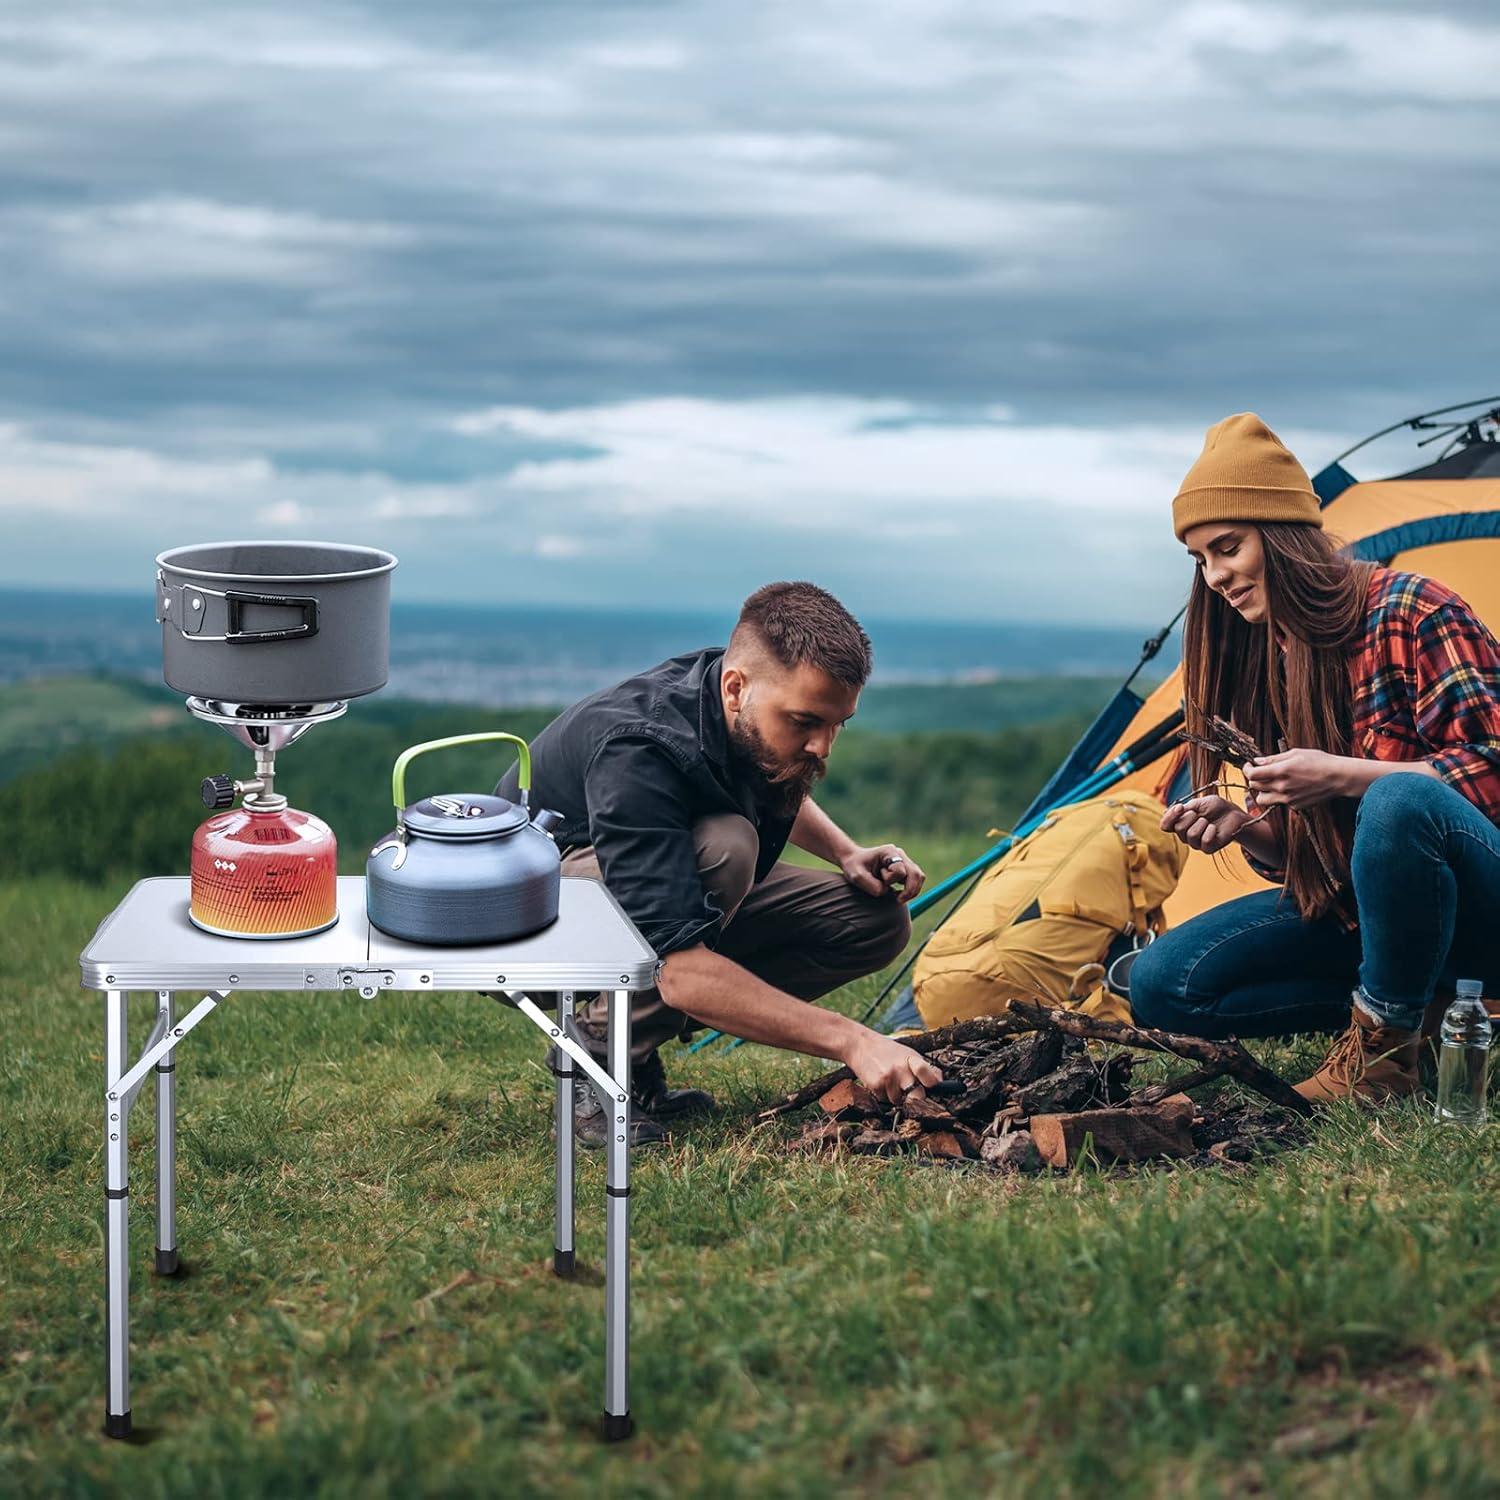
696	612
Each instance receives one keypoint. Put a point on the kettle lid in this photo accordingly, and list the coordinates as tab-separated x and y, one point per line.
464	815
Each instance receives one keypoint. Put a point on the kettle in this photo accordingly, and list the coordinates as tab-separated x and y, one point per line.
464	867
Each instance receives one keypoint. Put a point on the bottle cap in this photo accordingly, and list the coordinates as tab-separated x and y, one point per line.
1469	989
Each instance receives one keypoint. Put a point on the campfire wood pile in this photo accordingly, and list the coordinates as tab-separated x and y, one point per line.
1022	1092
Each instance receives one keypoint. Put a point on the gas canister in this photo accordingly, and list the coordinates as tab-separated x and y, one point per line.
264	872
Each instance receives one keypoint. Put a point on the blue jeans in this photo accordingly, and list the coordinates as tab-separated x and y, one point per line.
1426	877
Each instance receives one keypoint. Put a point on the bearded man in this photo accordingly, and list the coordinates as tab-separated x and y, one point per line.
680	788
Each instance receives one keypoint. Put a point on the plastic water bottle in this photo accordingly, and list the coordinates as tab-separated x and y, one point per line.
1463	1062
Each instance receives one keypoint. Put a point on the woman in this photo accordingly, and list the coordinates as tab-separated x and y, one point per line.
1377	696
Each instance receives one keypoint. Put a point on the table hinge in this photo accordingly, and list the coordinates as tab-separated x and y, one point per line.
369	982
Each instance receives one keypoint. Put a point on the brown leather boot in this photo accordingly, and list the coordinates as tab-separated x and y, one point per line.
1370	1062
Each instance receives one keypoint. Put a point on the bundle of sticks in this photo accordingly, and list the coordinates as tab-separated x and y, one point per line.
1022	1091
1224	741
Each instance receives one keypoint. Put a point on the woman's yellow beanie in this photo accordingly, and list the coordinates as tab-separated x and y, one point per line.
1244	473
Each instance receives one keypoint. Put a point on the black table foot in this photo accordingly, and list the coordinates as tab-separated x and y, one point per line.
117	1424
562	1262
166	1262
617	1429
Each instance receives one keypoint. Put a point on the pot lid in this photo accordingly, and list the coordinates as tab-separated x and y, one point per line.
464	815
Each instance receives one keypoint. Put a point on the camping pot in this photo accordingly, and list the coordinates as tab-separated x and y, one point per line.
464	867
274	622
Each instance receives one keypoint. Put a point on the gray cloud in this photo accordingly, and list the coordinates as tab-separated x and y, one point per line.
312	237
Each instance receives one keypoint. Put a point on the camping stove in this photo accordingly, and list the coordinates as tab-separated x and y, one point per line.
262	869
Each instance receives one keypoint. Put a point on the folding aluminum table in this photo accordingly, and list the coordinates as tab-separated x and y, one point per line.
148	943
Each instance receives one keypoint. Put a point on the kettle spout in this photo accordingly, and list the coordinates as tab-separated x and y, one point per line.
547	820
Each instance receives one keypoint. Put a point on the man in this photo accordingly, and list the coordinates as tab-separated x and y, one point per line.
680	788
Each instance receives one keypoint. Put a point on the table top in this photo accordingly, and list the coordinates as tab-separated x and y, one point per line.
148	943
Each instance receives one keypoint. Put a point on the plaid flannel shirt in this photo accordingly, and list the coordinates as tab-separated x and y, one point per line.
1426	678
1427	686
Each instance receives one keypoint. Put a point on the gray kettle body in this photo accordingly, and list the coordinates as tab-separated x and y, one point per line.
463	868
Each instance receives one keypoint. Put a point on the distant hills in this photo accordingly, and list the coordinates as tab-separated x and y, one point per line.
46	717
100	775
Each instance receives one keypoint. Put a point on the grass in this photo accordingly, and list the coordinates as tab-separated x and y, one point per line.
365	1209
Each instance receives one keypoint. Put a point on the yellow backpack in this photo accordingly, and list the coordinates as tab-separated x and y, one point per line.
1042	918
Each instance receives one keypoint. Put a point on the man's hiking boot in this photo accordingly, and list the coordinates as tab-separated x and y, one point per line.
593	1124
652	1105
1370	1062
649	1091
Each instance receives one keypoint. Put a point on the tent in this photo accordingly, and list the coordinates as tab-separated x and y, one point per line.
1442	520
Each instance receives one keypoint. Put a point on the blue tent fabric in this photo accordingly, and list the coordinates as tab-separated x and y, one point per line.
1328	484
903	1014
1430	531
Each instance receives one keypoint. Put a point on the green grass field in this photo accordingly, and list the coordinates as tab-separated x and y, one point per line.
49	716
365	1201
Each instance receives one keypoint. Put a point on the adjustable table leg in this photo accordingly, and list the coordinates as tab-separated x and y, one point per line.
166	1149
617	1423
117	1220
562	1239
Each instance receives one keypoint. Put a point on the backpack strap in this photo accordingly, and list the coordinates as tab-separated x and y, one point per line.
1137	856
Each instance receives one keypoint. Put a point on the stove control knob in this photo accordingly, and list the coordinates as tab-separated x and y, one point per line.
217	791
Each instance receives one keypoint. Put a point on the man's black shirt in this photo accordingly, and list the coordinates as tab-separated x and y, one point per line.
631	769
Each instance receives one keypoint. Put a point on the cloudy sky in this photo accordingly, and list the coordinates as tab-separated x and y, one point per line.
647	303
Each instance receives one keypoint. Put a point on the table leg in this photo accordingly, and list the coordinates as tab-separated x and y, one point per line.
166	1150
117	1219
562	1236
617	1423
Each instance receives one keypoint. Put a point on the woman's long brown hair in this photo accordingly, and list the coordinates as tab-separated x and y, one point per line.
1316	600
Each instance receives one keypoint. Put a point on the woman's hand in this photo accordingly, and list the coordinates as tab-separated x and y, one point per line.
1207	823
1296	778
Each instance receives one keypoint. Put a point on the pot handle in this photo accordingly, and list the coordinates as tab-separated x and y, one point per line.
398	774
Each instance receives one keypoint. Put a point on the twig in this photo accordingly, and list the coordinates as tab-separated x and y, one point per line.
1179	1085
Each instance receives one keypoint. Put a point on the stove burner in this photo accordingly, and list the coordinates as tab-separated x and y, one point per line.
260	726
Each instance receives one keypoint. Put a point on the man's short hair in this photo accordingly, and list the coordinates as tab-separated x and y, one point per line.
799	622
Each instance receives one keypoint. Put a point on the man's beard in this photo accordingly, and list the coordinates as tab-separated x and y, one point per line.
782	785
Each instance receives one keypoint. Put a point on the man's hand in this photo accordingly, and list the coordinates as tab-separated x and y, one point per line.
1206	823
1296	778
889	1070
886	867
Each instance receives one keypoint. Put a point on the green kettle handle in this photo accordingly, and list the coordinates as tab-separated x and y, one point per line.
398	775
